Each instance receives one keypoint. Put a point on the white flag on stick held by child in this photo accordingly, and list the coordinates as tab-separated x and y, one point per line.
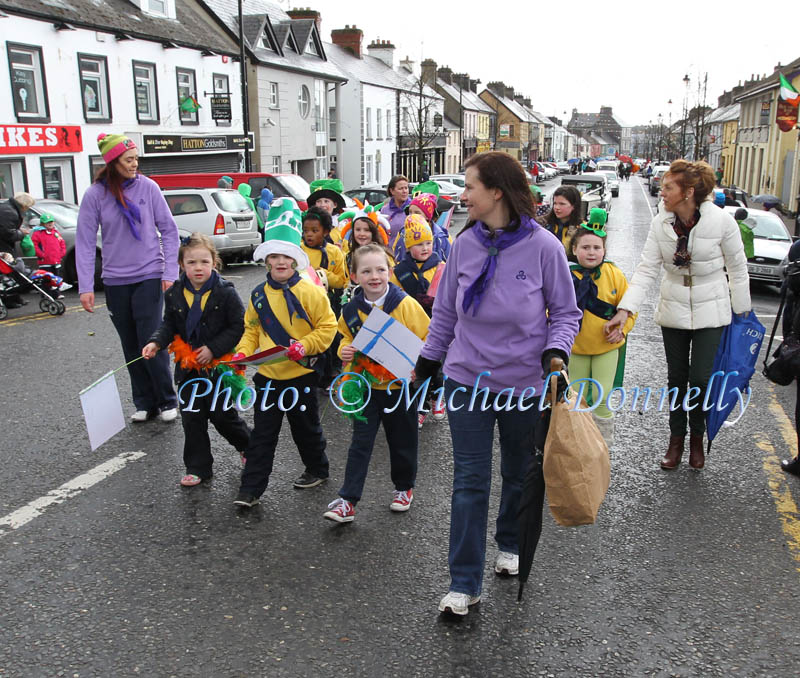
102	410
389	343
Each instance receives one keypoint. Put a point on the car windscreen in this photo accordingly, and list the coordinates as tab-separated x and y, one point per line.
583	186
66	216
296	185
612	176
769	228
230	201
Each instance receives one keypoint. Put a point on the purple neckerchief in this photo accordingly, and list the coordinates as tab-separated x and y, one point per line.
131	212
494	242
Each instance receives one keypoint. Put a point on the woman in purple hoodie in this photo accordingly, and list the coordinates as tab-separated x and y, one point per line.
504	307
140	261
394	209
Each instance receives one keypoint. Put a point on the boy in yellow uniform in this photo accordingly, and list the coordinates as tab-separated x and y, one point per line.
321	254
329	263
371	268
288	311
416	269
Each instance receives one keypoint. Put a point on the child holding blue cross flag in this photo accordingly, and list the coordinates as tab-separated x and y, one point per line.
371	268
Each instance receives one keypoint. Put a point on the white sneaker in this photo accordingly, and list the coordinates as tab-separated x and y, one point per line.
457	603
140	416
170	414
64	287
507	564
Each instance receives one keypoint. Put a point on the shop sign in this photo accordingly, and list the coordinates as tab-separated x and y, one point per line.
786	116
176	143
16	139
221	107
504	130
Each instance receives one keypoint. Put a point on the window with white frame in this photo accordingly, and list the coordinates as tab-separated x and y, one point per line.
144	79
222	86
332	123
368	170
319	107
94	88
368	123
379	122
273	95
304	101
276	164
388	123
157	7
28	86
187	96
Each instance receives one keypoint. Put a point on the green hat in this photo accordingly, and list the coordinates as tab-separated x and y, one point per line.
46	218
427	187
283	233
597	217
537	192
327	188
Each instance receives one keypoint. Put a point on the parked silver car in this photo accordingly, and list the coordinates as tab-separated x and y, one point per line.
771	243
223	215
613	181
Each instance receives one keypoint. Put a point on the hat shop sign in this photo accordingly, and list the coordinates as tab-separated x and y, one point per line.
16	139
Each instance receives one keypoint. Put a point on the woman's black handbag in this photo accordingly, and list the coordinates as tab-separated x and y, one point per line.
783	366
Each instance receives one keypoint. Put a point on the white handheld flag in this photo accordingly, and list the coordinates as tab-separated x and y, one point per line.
102	410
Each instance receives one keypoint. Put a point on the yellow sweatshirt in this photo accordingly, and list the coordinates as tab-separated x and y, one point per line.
428	275
611	287
315	339
337	275
408	313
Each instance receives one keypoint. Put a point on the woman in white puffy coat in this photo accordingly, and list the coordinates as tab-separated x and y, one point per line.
699	248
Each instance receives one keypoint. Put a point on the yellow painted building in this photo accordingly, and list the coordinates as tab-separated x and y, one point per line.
766	158
728	154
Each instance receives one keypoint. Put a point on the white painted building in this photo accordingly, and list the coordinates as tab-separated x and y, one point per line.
86	67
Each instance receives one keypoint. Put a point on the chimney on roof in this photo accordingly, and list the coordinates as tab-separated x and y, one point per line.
473	85
605	110
428	72
527	102
350	38
509	94
777	68
407	65
461	80
445	74
519	99
307	13
383	50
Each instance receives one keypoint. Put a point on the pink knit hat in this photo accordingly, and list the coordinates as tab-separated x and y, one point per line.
113	145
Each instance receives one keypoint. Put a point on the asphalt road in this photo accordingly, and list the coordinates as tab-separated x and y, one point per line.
124	573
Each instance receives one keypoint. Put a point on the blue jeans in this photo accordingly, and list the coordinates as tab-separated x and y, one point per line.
473	438
136	311
401	431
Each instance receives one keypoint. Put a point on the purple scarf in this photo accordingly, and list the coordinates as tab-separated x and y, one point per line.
494	242
131	212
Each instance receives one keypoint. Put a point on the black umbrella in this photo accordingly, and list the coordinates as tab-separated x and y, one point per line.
531	505
531	502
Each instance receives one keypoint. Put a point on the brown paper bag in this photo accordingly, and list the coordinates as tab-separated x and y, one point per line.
576	464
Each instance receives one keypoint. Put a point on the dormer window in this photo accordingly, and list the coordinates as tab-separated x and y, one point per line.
311	47
161	8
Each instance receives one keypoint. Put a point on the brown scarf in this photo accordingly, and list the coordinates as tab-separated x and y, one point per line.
682	257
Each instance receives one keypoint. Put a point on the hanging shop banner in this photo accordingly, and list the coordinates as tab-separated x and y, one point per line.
221	107
176	143
786	116
16	139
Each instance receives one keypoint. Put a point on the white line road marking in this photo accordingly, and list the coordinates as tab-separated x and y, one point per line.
71	488
646	199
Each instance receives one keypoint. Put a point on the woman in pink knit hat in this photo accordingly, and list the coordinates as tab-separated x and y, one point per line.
140	261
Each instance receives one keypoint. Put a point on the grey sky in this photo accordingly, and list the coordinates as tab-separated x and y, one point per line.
582	54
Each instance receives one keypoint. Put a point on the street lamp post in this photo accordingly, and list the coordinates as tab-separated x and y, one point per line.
685	115
243	76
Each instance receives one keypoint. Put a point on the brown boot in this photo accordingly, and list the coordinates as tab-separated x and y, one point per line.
697	457
674	453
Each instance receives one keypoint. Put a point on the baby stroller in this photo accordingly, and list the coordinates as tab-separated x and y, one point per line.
16	282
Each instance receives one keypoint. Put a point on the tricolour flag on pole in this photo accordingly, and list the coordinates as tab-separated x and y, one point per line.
788	93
